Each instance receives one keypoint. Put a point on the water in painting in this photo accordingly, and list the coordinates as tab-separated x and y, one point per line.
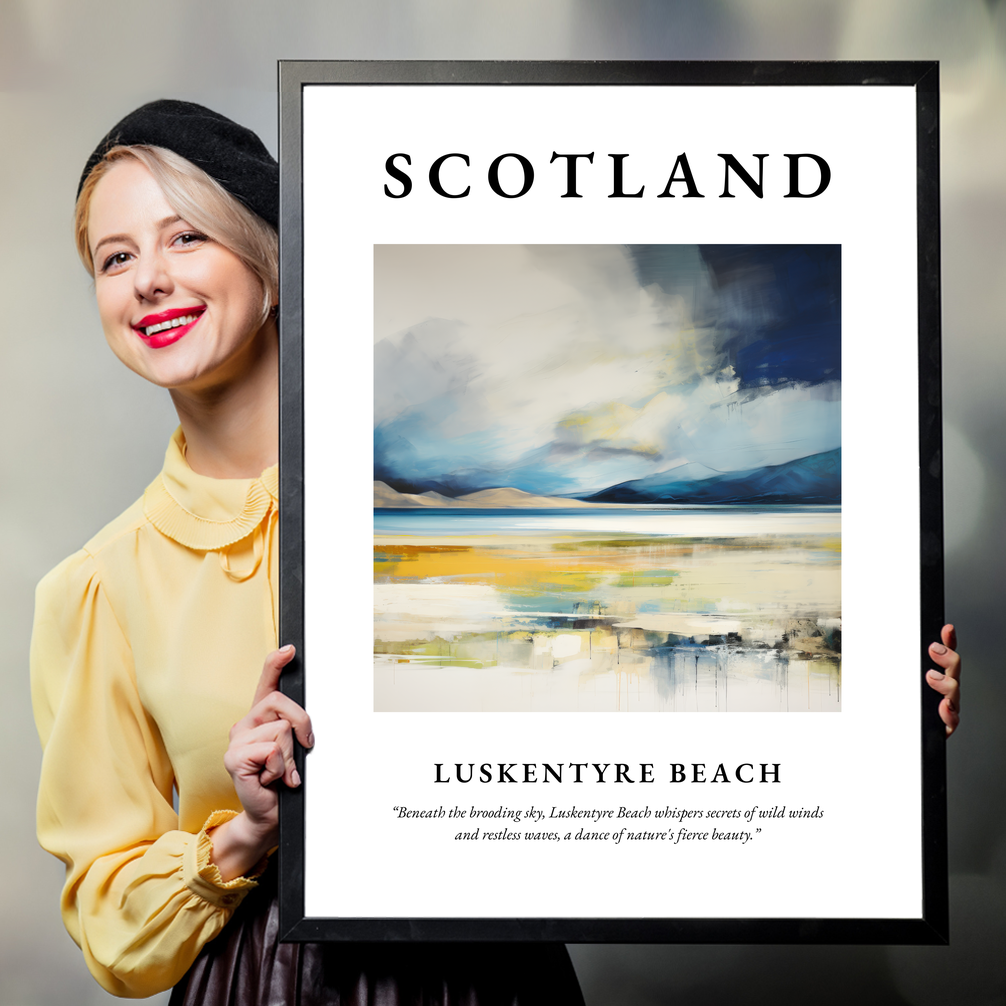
607	478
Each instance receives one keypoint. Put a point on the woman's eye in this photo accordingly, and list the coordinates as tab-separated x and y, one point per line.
190	238
114	261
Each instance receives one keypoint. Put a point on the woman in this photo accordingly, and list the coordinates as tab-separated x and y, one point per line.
148	643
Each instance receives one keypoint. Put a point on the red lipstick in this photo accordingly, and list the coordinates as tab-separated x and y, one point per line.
165	333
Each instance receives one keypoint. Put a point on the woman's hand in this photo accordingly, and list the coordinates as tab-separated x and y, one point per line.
260	753
947	682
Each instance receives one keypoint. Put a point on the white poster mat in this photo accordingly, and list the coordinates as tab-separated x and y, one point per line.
861	766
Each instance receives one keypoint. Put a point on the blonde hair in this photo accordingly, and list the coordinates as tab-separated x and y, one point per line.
199	200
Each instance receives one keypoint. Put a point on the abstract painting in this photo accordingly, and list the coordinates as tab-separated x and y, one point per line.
607	478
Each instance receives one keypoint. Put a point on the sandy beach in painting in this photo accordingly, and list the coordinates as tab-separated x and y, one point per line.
711	609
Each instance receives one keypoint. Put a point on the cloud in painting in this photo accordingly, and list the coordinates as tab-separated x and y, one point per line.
568	369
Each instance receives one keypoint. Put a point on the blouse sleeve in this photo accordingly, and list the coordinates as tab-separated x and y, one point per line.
141	898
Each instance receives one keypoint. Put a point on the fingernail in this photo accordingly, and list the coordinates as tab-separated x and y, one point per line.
295	777
938	648
286	649
310	740
936	675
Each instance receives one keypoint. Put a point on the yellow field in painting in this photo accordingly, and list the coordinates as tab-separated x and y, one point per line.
546	621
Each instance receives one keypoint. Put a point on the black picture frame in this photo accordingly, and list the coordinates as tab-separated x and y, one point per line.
931	926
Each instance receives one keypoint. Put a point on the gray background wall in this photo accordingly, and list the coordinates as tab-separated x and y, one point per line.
82	436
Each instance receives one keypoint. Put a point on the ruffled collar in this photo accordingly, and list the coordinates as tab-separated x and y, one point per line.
203	513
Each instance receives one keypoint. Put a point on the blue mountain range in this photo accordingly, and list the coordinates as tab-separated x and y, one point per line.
814	479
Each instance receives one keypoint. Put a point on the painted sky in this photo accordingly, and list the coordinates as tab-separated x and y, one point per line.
567	369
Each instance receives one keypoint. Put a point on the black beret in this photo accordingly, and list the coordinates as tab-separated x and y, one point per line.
231	154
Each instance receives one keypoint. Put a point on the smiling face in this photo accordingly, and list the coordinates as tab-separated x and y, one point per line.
177	307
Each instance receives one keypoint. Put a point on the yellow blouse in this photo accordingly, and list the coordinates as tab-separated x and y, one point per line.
147	647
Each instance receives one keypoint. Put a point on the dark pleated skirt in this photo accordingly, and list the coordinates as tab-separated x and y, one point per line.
246	965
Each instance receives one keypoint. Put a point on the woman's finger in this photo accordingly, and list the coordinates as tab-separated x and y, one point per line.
944	684
949	636
260	760
273	766
948	659
950	689
271	671
947	681
950	716
278	732
277	706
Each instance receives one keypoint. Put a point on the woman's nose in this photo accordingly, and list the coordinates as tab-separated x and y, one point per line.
152	277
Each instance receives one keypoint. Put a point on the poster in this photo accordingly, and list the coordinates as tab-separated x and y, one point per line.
601	384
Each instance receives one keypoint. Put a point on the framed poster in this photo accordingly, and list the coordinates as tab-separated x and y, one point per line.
611	501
